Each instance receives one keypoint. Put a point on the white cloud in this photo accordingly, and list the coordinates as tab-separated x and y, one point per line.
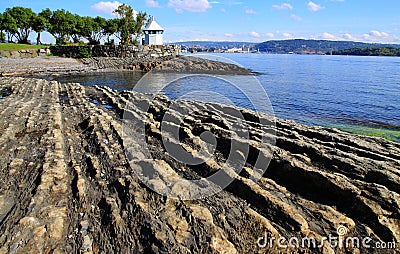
106	7
287	35
228	35
270	35
223	10
348	36
376	33
284	6
189	5
152	4
328	36
295	17
250	11
254	34
385	34
314	7
366	36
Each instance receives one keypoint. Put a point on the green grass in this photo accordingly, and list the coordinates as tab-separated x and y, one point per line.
16	46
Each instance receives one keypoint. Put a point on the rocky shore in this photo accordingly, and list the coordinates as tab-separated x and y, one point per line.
68	186
52	66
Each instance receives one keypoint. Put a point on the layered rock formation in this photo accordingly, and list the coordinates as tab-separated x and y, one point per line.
167	64
52	66
67	184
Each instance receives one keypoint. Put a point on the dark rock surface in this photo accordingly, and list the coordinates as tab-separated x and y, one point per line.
51	66
66	184
190	64
182	64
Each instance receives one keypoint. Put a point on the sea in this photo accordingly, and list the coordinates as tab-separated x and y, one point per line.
358	94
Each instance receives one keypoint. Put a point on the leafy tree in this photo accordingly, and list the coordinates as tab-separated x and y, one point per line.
1	23
41	23
97	31
111	28
129	24
78	28
62	25
2	36
19	21
141	20
87	28
126	23
9	25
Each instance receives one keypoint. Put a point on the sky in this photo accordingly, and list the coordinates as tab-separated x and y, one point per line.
252	20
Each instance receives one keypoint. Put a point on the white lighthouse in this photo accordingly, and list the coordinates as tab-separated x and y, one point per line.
153	33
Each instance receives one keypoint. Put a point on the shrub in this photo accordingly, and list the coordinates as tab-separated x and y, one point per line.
85	52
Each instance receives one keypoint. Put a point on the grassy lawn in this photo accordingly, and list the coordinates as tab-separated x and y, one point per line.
16	46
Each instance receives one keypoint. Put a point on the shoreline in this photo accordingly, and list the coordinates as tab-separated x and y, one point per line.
52	67
66	168
44	66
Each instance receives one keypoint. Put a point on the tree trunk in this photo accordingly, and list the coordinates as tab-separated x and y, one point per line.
9	38
38	42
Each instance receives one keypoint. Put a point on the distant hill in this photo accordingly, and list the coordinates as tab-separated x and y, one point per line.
297	46
381	51
301	46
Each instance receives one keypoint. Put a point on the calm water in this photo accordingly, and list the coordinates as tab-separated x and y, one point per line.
338	91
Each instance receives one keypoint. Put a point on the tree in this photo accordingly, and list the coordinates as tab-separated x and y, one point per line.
111	28
77	28
2	35
9	25
41	23
62	25
141	20
97	31
23	18
88	27
126	23
129	24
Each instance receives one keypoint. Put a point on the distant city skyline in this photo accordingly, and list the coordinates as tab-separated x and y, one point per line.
250	21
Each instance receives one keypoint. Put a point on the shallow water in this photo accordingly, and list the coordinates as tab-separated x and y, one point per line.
336	91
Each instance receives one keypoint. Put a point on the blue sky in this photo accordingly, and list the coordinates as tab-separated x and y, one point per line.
253	20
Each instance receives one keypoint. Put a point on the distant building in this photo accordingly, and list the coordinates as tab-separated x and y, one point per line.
234	50
153	33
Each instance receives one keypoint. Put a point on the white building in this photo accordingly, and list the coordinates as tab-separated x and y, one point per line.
153	33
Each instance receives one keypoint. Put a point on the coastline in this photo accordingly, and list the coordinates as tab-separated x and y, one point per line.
85	195
55	66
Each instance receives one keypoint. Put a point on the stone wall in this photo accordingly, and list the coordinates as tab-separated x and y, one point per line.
26	53
153	51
